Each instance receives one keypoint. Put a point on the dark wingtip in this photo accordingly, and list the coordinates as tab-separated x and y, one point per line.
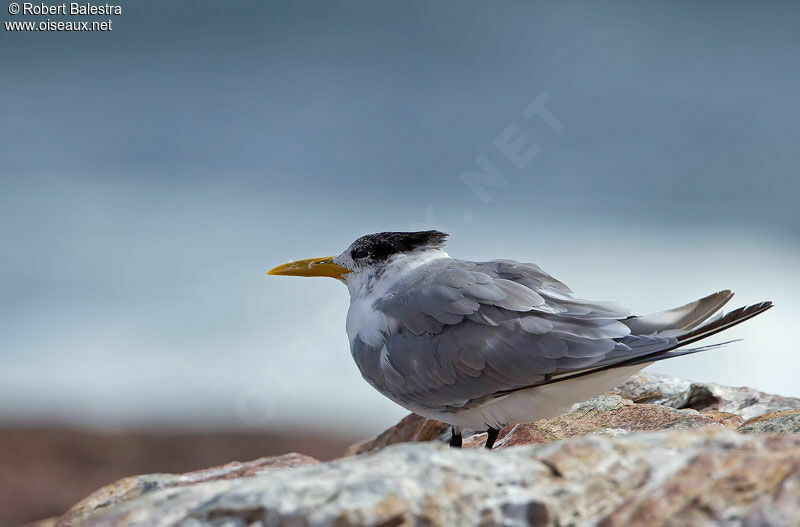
758	308
737	316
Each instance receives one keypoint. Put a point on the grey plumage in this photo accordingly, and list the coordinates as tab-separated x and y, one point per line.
482	344
468	331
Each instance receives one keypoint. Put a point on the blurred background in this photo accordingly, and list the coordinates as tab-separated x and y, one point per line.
151	175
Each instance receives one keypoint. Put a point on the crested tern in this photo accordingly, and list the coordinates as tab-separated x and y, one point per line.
480	345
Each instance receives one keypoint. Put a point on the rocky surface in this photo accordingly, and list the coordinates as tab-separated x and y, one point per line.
45	470
135	486
654	388
704	455
664	403
786	421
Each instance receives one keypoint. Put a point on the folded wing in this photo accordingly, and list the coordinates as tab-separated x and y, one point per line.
466	331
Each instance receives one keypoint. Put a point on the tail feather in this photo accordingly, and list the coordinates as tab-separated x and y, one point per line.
713	327
676	321
679	352
737	316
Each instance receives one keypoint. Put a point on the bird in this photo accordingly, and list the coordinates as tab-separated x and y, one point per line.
481	345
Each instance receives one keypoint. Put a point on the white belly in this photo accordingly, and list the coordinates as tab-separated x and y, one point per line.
532	404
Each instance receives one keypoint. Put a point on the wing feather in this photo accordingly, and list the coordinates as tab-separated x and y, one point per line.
469	330
465	332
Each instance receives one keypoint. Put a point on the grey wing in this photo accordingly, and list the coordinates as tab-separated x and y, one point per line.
467	331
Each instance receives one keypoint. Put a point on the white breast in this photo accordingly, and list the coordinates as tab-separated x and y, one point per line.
367	323
363	320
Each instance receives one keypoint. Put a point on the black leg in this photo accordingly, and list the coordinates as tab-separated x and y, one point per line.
491	437
455	438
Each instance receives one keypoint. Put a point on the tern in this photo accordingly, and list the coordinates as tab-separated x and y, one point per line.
481	345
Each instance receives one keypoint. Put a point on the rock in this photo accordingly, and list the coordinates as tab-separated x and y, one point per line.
45	470
718	404
688	477
135	486
609	461
610	415
787	421
655	388
606	415
412	428
670	391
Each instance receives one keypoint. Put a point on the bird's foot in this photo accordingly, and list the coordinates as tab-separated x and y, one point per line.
455	438
491	437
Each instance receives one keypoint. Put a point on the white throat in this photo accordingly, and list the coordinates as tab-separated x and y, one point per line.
374	281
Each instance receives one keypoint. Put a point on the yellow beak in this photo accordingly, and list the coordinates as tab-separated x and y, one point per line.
311	267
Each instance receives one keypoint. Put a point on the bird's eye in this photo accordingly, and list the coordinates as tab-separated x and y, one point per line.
358	254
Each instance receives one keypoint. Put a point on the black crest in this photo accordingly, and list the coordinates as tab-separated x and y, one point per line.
382	245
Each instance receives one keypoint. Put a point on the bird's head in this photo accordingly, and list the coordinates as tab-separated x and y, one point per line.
367	255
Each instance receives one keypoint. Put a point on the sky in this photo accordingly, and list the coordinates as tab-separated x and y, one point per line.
151	174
